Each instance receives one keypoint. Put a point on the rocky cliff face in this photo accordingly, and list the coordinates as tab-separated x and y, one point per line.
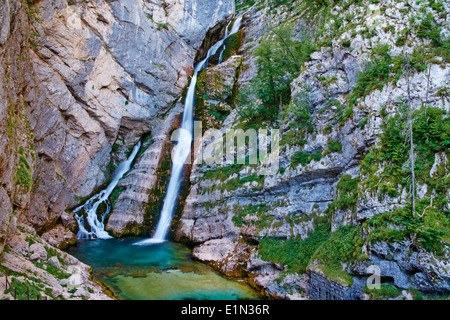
235	216
85	81
82	82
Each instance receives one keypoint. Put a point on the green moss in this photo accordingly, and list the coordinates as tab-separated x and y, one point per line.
155	196
115	195
233	44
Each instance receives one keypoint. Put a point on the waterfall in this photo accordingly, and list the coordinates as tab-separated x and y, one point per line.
224	47
91	206
183	148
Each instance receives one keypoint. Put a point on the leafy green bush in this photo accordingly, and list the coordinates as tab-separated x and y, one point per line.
375	75
305	158
333	146
430	232
23	177
347	189
431	135
428	28
279	59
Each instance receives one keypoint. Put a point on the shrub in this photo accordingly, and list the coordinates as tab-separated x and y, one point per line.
431	135
376	73
333	146
279	59
347	188
305	158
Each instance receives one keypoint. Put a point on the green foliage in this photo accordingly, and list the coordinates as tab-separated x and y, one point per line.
241	4
279	59
431	134
232	45
328	249
430	232
333	146
347	190
275	3
300	110
375	75
23	177
238	182
295	253
160	26
305	158
343	245
115	195
363	122
223	173
247	210
385	292
428	28
20	289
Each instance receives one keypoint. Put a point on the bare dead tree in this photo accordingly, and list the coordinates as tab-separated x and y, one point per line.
411	140
428	88
407	68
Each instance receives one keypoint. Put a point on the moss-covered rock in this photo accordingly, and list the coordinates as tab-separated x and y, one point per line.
215	92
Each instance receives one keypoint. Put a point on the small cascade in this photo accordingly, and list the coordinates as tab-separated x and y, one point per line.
183	148
97	225
224	47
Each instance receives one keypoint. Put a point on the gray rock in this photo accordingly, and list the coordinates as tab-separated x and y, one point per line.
55	261
38	252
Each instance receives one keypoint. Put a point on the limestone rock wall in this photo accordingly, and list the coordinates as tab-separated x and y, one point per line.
85	80
238	204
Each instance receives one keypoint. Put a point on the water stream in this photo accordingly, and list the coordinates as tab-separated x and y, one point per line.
154	269
96	223
183	148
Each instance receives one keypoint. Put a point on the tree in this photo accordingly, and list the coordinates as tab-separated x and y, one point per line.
279	59
411	140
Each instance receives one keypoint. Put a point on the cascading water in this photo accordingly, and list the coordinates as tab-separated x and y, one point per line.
91	206
234	29
183	148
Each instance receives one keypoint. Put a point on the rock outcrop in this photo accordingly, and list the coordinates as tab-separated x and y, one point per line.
85	81
234	204
32	265
82	82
